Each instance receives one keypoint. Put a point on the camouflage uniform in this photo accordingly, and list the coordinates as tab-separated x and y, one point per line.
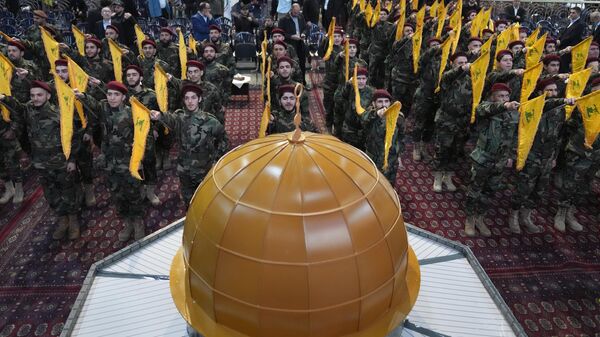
35	48
225	56
283	121
400	76
519	60
330	84
147	97
97	67
219	75
276	82
202	141
20	87
352	129
379	47
507	77
10	150
127	59
169	53
425	101
338	110
362	32
147	65
212	100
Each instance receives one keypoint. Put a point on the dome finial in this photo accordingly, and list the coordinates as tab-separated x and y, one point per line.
298	117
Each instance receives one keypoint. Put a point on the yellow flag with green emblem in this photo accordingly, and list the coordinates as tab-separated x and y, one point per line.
486	21
532	38
141	127
579	54
193	44
362	5
589	106
575	86
478	70
330	40
442	11
359	109
79	39
51	48
116	53
534	52
487	46
433	9
530	114
401	21
66	103
6	73
160	87
417	39
375	17
477	25
78	79
139	38
266	115
446	46
530	78
391	118
182	54
414	5
502	41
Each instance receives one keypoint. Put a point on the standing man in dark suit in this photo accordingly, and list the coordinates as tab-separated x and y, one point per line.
294	26
515	13
201	21
595	20
571	36
101	25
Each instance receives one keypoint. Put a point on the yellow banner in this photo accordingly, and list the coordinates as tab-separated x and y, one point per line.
79	39
51	48
368	14
116	53
456	16
141	127
266	115
139	37
414	5
502	41
420	21
477	25
362	5
478	70
530	114
533	38
456	29
5	113
5	36
589	106
66	103
445	53
160	87
78	79
433	9
330	40
401	21
193	44
442	11
535	51
376	13
359	109
6	73
486	21
182	55
530	78
575	86
263	64
487	47
579	54
347	59
417	39
391	118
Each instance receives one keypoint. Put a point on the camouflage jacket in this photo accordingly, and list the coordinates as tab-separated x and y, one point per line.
219	75
43	130
429	67
519	60
296	71
98	67
380	38
20	87
169	53
283	121
331	75
277	81
212	101
346	101
202	138
497	138
225	55
399	63
456	99
576	136
340	68
147	66
374	127
548	137
503	76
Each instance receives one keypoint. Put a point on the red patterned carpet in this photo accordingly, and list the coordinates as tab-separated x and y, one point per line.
550	280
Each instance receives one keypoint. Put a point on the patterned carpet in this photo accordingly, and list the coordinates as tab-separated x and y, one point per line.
550	280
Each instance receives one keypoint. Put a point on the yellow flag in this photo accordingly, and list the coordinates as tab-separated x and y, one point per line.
182	55
141	126
263	63
362	5
532	38
139	38
579	54
414	5
486	21
330	41
487	46
457	14
589	106
78	79
368	14
477	24
401	21
357	106
420	20
575	86
433	9
6	72
445	53
389	7
266	116
347	59
354	3
51	48
534	52
391	118
193	44
376	13
160	87
66	103
417	39
5	36
79	39
456	29
5	113
116	54
530	114
442	11
530	78
502	41
515	32
478	70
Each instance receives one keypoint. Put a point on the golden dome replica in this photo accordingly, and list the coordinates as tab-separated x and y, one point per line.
295	235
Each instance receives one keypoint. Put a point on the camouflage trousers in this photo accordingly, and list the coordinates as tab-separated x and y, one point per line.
449	146
339	113
577	176
328	103
354	137
376	70
424	108
190	180
126	193
404	93
62	190
9	161
85	162
485	179
531	183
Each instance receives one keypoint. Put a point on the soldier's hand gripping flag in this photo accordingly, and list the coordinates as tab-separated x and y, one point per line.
391	118
141	127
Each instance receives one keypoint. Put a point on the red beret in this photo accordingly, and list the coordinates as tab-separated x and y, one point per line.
41	84
516	43
542	84
550	41
457	55
471	12
447	29
191	87
134	67
40	13
194	63
523	30
95	41
167	30
590	60
408	24
549	58
385	10
214	27
475	39
281	43
487	30
338	30
117	86
594	43
277	31
150	42
353	41
285	59
17	44
212	45
502	53
61	63
500	87
595	82
113	28
362	71
500	22
282	89
381	93
434	40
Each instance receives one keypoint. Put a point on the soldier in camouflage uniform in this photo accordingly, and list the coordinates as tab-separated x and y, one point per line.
551	70
215	72
581	163
10	172
362	33
505	74
400	75
533	179
202	139
352	129
146	96
21	80
381	35
278	35
112	32
166	49
93	63
212	101
32	39
516	48
452	120
58	176
223	50
330	80
496	145
279	51
149	60
282	116
284	68
116	121
374	124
